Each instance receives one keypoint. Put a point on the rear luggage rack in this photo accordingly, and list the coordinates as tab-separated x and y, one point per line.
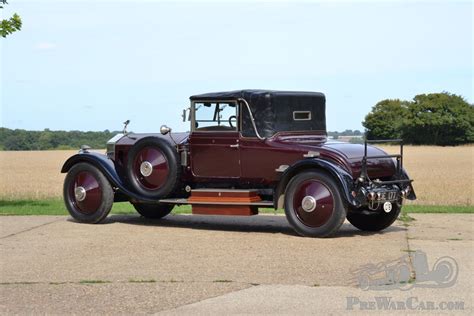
398	157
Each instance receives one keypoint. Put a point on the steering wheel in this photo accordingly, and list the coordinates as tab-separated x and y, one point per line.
230	120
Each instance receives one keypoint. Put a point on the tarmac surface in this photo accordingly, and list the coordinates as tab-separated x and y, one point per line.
187	264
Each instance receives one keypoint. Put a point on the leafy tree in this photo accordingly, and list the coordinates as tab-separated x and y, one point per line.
439	119
19	139
385	119
430	119
10	25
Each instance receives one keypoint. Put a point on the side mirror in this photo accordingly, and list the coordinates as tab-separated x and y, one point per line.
184	115
165	129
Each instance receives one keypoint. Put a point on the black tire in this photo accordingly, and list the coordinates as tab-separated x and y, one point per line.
169	181
373	220
329	212
153	211
95	204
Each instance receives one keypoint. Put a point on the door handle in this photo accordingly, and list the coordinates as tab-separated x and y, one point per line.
234	146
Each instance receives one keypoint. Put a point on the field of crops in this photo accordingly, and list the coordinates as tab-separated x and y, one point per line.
443	175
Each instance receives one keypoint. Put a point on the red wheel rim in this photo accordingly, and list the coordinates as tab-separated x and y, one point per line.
151	168
85	193
313	203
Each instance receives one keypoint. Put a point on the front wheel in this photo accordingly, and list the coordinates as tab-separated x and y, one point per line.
313	204
153	211
374	220
88	195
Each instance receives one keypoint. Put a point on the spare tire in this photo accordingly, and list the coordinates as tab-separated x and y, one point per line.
153	168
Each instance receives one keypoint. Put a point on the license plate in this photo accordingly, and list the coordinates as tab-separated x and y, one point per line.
388	196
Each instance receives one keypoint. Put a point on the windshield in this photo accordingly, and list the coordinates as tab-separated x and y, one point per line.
215	116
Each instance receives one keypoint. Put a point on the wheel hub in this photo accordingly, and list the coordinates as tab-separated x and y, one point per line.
387	207
146	168
80	194
308	204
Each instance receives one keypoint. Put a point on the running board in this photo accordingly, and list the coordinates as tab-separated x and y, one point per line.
223	202
187	202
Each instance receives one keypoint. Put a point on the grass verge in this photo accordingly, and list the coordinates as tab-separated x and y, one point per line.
56	207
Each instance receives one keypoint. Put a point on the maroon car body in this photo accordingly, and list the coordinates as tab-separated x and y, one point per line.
255	140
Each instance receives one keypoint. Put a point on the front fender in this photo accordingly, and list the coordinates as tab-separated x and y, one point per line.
106	166
342	177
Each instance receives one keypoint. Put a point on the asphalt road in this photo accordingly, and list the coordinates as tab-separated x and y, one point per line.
213	265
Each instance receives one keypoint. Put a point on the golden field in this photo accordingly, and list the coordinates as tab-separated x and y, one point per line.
443	175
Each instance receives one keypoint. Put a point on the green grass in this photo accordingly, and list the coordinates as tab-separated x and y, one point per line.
56	207
438	209
142	281
93	282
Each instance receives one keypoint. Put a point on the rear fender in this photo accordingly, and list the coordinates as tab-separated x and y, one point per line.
106	166
404	176
342	177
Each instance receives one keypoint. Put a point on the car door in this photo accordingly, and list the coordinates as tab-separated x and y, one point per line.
214	140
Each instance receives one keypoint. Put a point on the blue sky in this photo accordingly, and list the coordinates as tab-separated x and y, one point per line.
90	65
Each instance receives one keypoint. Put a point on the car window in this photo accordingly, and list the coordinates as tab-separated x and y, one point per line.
214	116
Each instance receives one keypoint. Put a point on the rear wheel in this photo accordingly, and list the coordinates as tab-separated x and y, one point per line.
374	220
88	195
313	204
153	211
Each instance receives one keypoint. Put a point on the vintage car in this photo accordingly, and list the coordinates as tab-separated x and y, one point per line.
246	150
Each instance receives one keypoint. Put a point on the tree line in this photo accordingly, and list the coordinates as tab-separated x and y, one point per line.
20	139
347	132
429	119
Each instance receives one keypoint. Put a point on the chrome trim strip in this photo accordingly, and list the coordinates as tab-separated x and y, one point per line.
251	118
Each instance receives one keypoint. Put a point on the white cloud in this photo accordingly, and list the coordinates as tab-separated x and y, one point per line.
45	45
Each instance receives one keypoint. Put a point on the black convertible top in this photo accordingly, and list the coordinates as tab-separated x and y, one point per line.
249	93
274	111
